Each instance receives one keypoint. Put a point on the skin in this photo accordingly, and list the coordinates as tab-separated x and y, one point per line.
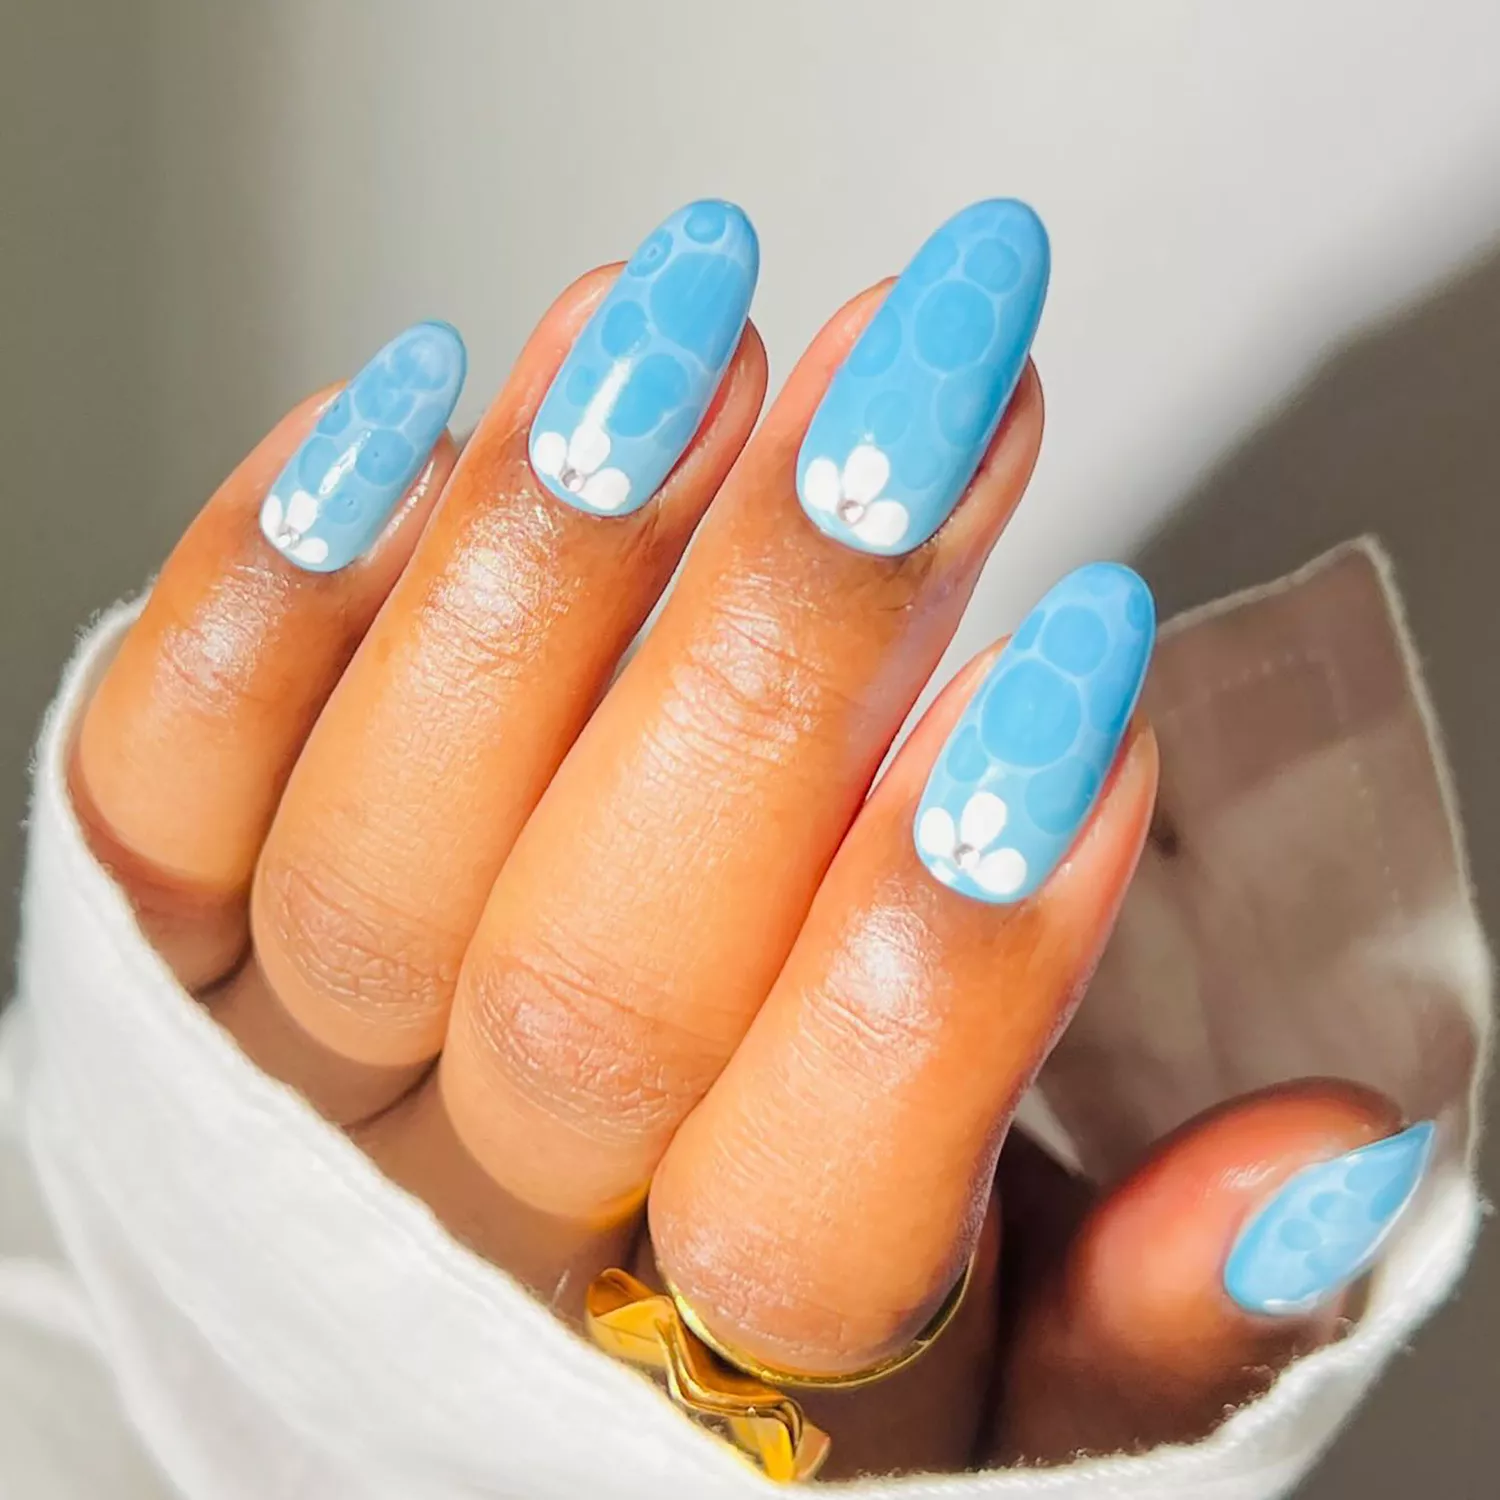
577	952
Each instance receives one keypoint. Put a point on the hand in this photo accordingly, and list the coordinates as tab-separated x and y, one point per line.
569	952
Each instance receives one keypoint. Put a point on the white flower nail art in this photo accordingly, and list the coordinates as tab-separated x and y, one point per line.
968	849
575	464
853	495
287	527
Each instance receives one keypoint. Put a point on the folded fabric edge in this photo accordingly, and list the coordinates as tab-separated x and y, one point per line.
485	1286
1479	1004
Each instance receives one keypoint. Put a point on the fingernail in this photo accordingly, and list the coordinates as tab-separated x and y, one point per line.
912	409
1023	767
636	384
340	487
1326	1225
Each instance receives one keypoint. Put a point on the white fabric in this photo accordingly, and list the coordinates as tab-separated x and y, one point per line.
276	1320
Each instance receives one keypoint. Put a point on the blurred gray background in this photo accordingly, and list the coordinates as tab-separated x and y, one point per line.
1275	317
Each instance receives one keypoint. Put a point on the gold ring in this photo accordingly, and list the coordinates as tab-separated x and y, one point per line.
629	1320
796	1380
725	1388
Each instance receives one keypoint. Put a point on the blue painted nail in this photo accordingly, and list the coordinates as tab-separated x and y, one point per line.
1326	1225
636	384
909	414
1024	765
336	494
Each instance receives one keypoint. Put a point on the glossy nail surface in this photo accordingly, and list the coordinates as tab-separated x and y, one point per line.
1326	1225
1024	765
909	414
636	384
338	490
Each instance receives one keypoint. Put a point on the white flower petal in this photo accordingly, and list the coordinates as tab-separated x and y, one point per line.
982	819
865	473
310	550
548	451
1002	873
301	511
944	872
588	448
936	834
609	489
883	525
820	484
270	516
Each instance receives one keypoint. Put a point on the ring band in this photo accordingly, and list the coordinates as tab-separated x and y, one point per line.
627	1319
738	1395
796	1380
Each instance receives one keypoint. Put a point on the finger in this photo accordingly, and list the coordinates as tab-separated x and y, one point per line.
823	1200
488	659
644	913
1197	1279
192	732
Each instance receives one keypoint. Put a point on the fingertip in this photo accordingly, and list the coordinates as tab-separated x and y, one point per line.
1150	1331
1157	1247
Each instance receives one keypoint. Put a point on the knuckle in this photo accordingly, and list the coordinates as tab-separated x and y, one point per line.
483	614
873	1047
883	1001
755	684
563	1029
206	658
219	653
470	633
346	949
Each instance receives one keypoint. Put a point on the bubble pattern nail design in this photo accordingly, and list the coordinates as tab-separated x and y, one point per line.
640	377
1326	1225
338	490
1024	765
909	414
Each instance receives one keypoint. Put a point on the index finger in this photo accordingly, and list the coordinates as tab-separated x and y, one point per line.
822	1201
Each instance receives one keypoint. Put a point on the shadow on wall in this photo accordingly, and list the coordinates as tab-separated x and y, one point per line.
1399	435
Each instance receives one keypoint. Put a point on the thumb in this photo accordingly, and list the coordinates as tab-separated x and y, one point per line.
1188	1286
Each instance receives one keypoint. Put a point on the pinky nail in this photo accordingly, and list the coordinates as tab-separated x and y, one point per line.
1025	764
1326	1225
339	489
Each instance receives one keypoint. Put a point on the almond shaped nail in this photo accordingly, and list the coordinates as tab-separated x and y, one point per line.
333	499
639	379
1326	1225
1023	767
909	414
